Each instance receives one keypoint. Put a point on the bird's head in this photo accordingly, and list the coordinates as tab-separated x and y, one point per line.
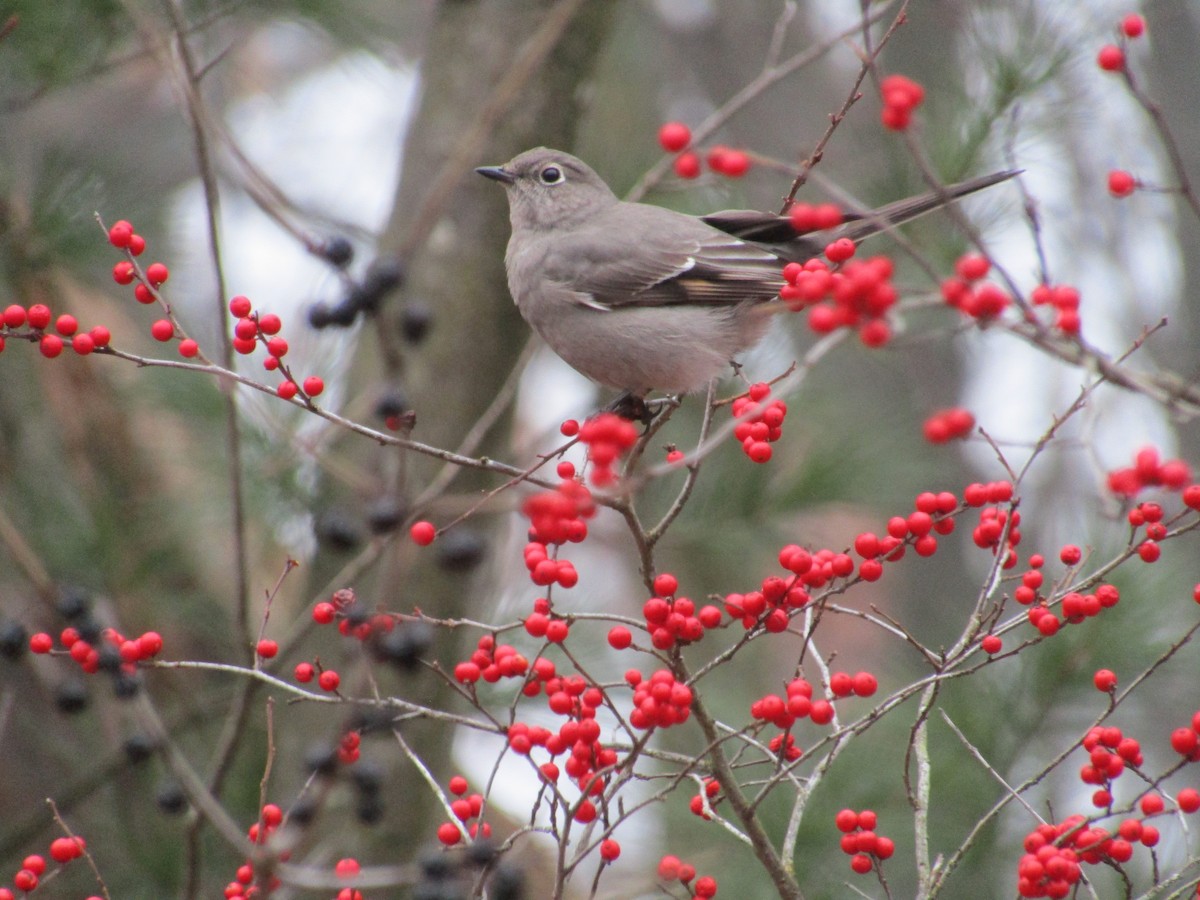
549	189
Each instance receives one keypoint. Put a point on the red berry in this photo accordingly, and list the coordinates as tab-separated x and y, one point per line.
422	533
83	344
674	136
1070	554
458	785
733	164
449	834
1121	183
162	330
188	348
620	637
313	386
287	390
668	868
329	680
865	684
304	672
840	250
1188	800
687	165
1133	25
66	325
39	316
609	850
25	880
347	868
240	306
123	272
143	294
1184	741
50	345
861	863
269	323
267	648
1105	680
137	244
972	266
14	316
120	234
1111	58
157	273
991	644
277	346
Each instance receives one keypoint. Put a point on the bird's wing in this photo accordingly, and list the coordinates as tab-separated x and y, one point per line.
661	258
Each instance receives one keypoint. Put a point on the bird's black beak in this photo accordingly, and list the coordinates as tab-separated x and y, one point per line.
497	173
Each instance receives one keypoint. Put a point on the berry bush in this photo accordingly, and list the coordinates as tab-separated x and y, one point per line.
906	606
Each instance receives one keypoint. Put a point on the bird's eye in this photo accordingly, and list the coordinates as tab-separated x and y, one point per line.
551	175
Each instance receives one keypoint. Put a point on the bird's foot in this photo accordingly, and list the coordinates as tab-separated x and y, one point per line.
631	407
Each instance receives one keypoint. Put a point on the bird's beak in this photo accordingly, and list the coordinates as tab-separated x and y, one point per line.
497	173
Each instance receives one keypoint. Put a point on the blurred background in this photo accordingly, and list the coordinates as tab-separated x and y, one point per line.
350	129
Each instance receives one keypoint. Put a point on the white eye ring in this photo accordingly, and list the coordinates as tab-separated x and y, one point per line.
551	175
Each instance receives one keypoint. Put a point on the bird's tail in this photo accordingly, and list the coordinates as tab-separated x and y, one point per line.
776	233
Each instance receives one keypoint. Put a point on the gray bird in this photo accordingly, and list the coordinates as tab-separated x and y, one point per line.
641	298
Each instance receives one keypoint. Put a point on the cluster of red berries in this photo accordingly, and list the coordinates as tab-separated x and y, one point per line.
782	712
1064	300
670	620
659	701
253	328
243	887
1149	516
858	294
809	217
969	294
579	737
860	841
33	867
556	517
1075	606
1148	470
1109	752
1051	864
1111	57
466	809
993	519
545	570
347	867
675	137
948	424
131	650
778	596
931	516
607	437
541	623
672	868
122	236
352	620
491	662
760	422
706	800
38	318
901	96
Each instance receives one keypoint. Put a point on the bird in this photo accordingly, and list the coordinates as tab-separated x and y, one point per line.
640	298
